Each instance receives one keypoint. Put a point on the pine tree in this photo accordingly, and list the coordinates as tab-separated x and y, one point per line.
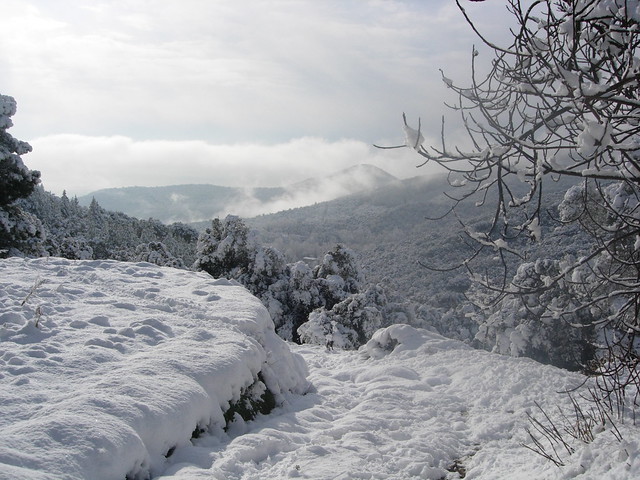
222	249
20	232
16	180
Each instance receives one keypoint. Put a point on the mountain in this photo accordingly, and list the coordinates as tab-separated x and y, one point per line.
390	229
192	203
385	226
354	179
179	203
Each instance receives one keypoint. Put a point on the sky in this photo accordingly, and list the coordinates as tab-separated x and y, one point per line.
249	93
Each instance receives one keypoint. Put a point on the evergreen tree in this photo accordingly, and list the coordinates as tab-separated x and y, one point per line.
20	232
16	180
338	275
222	249
350	323
158	254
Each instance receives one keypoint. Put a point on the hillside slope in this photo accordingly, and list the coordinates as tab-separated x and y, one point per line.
390	229
193	203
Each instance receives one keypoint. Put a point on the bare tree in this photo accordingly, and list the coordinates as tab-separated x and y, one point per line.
562	100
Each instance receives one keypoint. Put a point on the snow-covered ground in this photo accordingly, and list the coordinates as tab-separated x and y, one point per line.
128	360
430	409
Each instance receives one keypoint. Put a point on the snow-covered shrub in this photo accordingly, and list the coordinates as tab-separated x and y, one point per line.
323	329
223	249
302	297
181	241
349	323
346	313
289	291
255	399
75	248
20	233
386	340
339	275
266	267
292	291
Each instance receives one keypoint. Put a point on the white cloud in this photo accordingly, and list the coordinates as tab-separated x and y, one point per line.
260	71
82	164
123	92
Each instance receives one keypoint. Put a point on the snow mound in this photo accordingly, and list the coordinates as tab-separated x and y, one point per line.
107	367
400	338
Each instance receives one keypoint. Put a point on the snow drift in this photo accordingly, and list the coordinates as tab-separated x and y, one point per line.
107	367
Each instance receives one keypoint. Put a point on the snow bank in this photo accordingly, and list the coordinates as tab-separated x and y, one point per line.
107	367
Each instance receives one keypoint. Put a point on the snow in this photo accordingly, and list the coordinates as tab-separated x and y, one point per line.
126	362
534	228
593	138
128	359
413	138
8	107
410	404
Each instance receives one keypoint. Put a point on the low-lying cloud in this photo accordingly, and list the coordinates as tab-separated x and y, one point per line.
83	164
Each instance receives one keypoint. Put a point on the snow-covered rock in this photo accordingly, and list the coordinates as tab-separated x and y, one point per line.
107	367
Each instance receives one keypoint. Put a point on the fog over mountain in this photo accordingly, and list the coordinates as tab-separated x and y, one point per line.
193	203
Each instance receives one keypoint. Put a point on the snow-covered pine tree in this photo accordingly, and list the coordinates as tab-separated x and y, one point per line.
338	275
158	254
223	249
20	232
16	180
299	297
349	323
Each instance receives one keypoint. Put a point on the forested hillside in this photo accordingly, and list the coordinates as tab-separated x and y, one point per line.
396	237
75	232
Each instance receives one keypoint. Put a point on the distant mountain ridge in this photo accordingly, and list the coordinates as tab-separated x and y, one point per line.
193	203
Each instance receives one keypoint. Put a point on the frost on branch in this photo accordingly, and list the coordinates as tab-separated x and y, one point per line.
413	138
